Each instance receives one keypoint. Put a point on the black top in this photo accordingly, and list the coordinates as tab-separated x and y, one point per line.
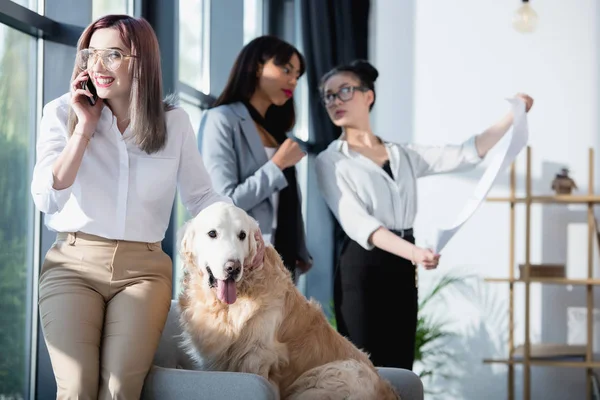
386	168
289	211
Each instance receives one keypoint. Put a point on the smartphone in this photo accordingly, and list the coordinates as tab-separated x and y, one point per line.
90	86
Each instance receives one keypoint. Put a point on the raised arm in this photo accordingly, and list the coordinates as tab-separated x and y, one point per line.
428	160
51	143
58	158
485	141
59	155
221	162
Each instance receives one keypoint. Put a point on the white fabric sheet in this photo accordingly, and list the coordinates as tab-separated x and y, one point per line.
503	154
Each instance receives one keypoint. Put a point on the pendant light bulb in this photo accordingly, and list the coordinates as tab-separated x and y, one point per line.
525	18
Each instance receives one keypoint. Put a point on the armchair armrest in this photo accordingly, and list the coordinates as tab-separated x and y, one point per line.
171	384
407	383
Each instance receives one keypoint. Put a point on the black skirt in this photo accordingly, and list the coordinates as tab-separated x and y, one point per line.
376	304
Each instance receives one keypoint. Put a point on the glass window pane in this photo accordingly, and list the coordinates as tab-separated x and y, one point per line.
253	22
31	4
194	44
181	217
193	111
105	7
18	85
181	214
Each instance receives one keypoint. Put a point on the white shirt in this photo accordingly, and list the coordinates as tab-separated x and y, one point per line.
120	192
363	197
268	237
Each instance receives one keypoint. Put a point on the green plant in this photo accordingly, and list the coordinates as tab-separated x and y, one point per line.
432	334
331	317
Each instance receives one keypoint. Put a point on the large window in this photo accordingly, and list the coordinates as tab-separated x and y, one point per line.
192	107
17	130
194	44
31	4
104	7
253	19
193	88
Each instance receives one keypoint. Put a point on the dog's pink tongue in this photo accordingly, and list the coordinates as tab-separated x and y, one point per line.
226	291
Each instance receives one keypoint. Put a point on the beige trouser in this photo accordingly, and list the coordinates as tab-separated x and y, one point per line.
103	304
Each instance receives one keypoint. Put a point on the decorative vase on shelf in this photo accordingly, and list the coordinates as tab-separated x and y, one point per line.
563	183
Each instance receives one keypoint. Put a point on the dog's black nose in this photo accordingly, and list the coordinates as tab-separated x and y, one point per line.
233	267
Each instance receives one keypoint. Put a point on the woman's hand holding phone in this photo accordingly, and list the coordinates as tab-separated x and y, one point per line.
87	114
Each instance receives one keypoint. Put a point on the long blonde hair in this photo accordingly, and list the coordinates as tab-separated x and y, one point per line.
146	107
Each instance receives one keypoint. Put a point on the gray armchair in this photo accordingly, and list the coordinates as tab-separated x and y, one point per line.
174	375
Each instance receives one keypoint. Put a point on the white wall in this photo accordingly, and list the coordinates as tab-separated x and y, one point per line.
446	67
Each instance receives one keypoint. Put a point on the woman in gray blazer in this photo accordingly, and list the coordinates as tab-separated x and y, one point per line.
246	149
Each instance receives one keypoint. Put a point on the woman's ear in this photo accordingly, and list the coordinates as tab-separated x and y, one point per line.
259	70
186	236
370	97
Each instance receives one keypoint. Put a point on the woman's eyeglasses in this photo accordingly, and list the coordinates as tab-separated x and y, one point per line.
344	94
110	58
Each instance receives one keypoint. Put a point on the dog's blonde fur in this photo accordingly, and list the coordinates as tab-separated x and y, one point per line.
273	331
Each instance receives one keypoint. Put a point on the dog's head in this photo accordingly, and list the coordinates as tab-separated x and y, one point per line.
217	243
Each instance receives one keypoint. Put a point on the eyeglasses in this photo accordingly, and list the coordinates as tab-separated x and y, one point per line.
344	94
111	58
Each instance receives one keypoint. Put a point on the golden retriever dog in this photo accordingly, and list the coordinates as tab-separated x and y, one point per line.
254	320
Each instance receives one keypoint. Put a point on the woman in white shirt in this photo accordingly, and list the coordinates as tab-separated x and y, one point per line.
370	186
105	178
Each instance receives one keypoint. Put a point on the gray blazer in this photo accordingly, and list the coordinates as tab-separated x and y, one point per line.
238	165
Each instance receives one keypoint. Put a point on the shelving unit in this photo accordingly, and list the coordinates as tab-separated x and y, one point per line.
548	355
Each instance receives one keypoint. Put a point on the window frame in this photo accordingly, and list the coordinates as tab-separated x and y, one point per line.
202	95
46	31
37	25
43	30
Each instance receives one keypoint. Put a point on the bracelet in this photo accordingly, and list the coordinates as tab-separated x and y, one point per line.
82	136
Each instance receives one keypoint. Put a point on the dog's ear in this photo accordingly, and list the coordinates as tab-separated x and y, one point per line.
253	230
185	238
256	247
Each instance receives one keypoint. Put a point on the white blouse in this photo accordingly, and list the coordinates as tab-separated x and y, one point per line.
363	197
268	237
120	192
